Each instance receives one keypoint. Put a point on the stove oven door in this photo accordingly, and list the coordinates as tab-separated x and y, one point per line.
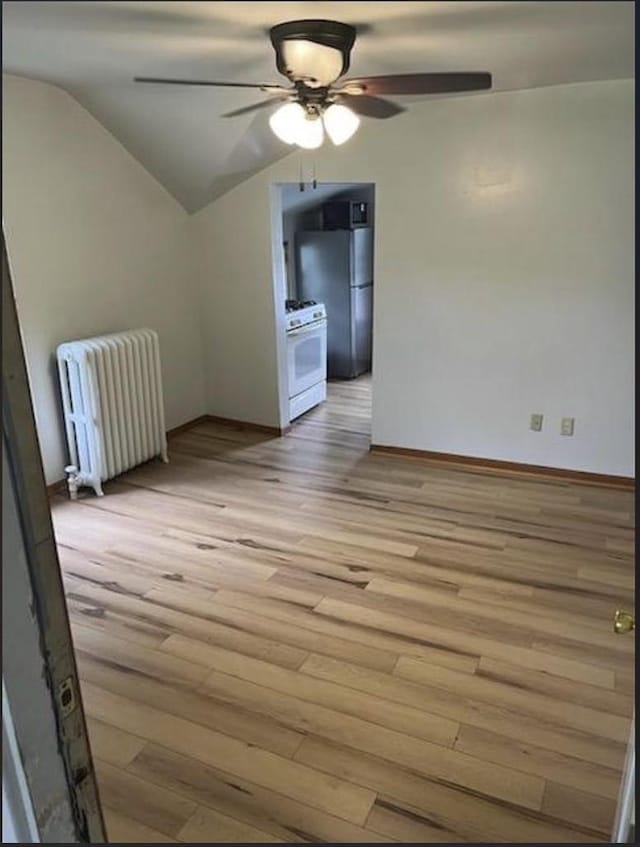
307	356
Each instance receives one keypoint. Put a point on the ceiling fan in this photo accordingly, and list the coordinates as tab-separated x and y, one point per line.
314	54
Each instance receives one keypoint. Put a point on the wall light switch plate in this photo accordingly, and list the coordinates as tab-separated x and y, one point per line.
535	422
566	427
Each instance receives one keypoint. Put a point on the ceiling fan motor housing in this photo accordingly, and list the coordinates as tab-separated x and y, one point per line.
297	59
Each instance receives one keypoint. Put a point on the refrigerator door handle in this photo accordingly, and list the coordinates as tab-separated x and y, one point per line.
364	285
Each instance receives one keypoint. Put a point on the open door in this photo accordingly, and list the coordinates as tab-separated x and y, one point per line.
624	823
49	788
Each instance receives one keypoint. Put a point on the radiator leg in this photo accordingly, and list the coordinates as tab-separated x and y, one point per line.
97	487
73	481
165	456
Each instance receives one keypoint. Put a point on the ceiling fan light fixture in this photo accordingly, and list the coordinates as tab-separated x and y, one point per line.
316	64
286	121
313	50
293	124
310	133
340	123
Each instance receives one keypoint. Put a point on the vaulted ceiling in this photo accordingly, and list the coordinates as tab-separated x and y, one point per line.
93	50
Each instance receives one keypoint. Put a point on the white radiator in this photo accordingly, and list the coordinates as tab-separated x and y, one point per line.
112	401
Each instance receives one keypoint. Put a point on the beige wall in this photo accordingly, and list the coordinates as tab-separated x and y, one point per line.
95	245
232	240
504	269
504	276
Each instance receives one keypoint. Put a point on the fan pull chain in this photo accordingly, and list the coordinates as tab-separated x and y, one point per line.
301	181
315	181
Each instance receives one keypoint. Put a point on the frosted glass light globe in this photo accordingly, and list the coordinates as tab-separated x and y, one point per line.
310	133
317	64
286	121
340	123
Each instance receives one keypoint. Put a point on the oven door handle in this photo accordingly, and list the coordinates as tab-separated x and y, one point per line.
304	330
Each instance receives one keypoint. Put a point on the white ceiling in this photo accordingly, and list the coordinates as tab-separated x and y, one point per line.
93	50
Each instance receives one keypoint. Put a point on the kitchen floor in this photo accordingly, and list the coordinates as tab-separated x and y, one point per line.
293	639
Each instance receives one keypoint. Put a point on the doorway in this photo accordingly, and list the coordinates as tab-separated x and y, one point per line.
267	635
323	242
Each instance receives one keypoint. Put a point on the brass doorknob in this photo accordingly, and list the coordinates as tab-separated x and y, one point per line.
623	622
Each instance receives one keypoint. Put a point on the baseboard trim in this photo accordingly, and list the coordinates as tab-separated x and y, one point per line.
236	424
479	465
178	430
58	487
230	422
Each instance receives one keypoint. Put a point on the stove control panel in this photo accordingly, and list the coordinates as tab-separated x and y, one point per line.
304	316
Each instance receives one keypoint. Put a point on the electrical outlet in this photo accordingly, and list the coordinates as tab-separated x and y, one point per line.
536	422
566	427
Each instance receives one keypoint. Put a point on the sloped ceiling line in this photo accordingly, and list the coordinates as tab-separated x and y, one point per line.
94	49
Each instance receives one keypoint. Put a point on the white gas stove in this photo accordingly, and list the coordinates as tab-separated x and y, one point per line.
306	355
304	313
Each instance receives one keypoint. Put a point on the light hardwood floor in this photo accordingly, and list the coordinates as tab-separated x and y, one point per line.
293	639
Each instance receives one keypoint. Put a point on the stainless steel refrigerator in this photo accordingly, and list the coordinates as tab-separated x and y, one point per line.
335	267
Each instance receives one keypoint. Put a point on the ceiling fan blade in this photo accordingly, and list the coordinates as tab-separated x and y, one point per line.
162	80
371	107
436	83
254	107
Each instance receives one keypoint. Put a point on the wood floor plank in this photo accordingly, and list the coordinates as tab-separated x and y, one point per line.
87	612
113	745
580	807
395	820
508	567
546	708
524	756
625	682
168	612
318	692
275	772
437	612
305	641
557	625
581	671
469	814
204	653
418	569
121	829
138	568
194	706
262	809
608	576
599	657
285	629
146	661
352	631
539	605
421	756
597	607
206	826
513	724
79	566
563	690
148	804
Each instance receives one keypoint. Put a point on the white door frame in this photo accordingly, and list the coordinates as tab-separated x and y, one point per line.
18	819
625	811
38	662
